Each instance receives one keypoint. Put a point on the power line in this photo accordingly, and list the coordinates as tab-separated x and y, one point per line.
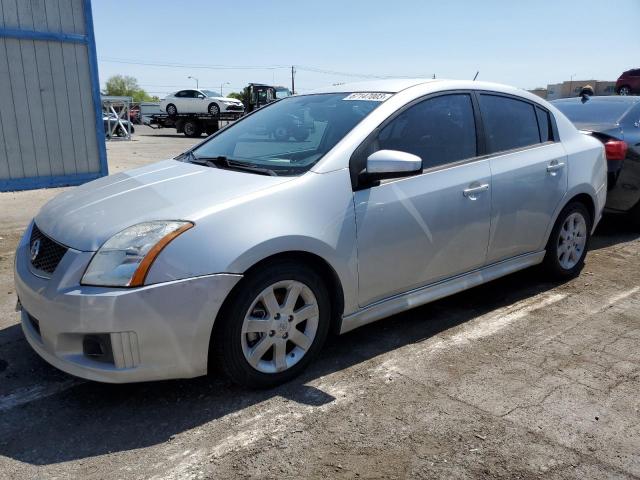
352	74
257	67
187	65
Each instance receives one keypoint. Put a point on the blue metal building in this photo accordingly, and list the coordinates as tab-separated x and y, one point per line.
51	129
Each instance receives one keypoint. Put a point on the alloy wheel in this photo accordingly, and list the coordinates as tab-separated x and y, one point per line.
280	326
572	240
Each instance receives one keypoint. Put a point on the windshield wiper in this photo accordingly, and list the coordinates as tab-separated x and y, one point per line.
223	162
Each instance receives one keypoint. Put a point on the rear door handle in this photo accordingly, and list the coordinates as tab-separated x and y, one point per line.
554	166
472	192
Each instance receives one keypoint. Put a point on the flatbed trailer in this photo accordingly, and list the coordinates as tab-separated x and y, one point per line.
192	124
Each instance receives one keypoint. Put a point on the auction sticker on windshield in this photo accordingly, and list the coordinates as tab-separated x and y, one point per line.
371	96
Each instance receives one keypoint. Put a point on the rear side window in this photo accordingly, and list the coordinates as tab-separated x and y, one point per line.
508	123
439	130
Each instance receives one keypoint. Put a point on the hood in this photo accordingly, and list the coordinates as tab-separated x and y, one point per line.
85	217
227	99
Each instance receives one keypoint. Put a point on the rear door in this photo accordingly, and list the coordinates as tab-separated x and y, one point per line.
528	173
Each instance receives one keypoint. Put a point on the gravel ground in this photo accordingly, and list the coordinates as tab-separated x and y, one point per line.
520	378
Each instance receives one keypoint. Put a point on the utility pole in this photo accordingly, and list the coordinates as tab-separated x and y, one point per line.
293	79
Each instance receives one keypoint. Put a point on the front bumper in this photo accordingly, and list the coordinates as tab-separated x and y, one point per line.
156	332
232	108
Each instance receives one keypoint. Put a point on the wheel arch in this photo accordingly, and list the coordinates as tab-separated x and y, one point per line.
588	199
323	267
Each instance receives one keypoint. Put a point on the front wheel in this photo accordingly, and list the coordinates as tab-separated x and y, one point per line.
273	326
214	109
569	241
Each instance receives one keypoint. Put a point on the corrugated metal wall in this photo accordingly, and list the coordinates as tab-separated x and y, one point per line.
51	131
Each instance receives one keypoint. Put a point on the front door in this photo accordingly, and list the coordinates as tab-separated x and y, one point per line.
419	230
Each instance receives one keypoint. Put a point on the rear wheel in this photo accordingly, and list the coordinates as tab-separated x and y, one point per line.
569	241
281	133
634	216
273	326
172	110
191	129
624	90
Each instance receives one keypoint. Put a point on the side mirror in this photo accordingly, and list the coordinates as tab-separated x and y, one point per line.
391	164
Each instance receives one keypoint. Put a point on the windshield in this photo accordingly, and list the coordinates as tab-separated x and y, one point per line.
282	93
592	112
289	136
210	93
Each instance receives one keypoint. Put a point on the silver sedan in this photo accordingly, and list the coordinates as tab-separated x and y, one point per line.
247	250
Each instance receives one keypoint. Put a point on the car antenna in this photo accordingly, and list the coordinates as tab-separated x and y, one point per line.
477	73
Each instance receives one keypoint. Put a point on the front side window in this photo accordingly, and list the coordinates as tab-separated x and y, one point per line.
508	123
439	130
289	136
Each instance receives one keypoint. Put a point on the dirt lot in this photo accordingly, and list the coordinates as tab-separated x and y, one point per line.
520	378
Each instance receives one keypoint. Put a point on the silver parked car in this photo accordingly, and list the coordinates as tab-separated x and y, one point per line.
246	251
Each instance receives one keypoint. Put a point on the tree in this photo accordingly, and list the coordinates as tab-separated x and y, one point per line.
243	97
126	86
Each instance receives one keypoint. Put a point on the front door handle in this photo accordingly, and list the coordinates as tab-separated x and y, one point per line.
554	166
472	192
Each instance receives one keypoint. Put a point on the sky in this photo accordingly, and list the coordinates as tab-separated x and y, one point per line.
527	44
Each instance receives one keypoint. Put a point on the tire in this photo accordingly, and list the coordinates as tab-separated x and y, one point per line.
213	109
301	134
281	133
624	90
276	355
171	110
191	129
634	216
568	243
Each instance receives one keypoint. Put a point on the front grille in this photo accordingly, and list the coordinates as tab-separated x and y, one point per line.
235	108
45	254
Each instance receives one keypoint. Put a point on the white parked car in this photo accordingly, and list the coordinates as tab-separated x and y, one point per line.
200	101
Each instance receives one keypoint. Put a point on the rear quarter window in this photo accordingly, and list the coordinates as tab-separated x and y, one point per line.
544	125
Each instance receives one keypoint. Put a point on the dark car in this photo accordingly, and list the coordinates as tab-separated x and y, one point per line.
629	82
615	121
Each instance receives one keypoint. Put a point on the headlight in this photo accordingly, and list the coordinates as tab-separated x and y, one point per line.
125	259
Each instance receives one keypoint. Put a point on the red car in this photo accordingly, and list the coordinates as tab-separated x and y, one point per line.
629	82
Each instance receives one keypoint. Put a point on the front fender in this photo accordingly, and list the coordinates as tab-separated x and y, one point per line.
313	214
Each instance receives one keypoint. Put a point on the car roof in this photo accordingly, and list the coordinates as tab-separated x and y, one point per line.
626	99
